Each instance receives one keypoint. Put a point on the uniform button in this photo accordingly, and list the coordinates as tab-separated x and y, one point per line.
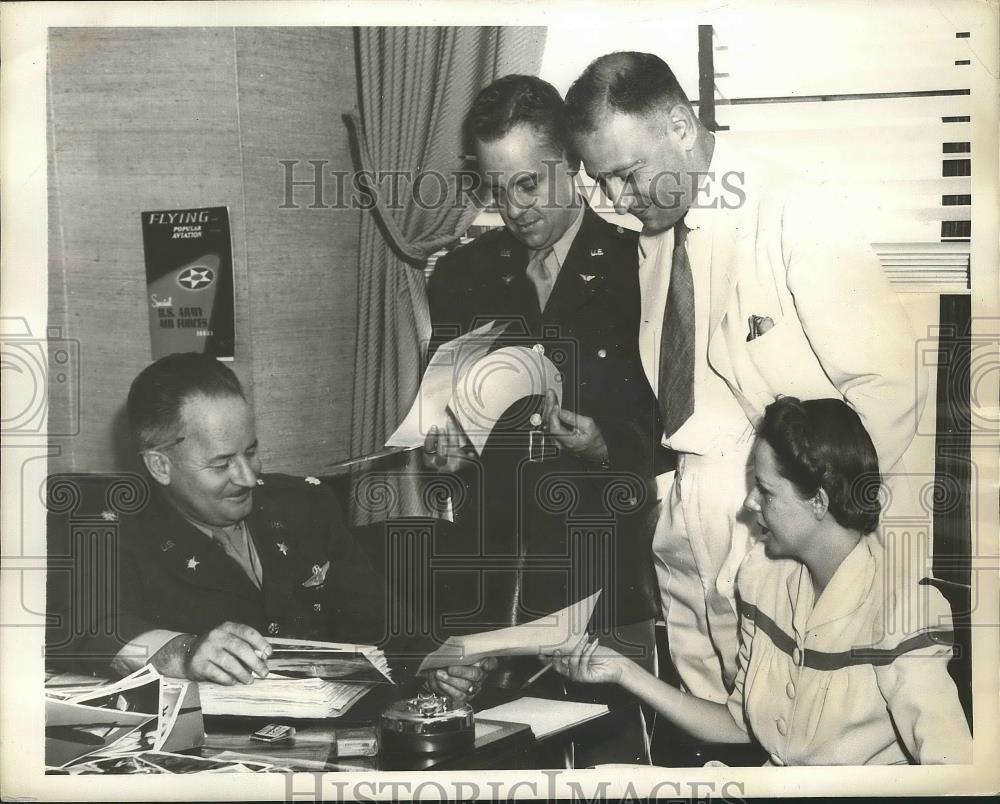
796	655
782	726
776	760
602	353
317	607
539	348
273	628
790	689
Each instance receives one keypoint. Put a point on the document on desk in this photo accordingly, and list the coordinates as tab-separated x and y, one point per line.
545	716
277	696
561	630
141	711
300	658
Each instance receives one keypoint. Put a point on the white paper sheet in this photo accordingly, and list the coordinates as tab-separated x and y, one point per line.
543	715
437	385
561	630
495	382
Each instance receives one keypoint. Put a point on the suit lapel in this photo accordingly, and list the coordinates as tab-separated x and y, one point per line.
582	273
192	557
276	549
508	291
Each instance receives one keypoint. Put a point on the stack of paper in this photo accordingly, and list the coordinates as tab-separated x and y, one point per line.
278	696
299	658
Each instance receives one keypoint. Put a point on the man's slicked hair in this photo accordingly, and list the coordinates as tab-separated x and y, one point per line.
627	82
512	101
158	393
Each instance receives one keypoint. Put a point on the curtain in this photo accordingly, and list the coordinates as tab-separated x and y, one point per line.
415	86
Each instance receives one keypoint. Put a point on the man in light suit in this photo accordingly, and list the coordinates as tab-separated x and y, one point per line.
750	290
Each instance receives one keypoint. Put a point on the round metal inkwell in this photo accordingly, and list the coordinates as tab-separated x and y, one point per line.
426	724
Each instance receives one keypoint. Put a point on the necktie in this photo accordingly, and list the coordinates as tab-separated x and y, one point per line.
236	543
542	275
676	380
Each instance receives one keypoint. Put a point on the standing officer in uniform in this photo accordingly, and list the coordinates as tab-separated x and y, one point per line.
565	283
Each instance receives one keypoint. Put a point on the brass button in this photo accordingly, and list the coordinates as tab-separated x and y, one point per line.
539	348
790	689
602	353
796	655
273	628
317	607
782	726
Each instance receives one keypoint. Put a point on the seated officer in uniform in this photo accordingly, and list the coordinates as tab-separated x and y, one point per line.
222	555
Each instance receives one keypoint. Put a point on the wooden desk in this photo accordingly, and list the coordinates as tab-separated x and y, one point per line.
498	746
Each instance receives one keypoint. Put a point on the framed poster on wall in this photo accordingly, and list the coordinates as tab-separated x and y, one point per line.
189	281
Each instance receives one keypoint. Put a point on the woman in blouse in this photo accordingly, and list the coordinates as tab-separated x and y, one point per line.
837	666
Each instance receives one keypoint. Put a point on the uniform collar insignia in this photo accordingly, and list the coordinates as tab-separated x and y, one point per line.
588	277
505	252
507	278
193	563
283	548
167	545
597	252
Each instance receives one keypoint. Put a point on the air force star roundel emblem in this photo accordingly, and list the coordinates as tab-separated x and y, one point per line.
196	277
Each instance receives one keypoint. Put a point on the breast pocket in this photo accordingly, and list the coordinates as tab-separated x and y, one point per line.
786	362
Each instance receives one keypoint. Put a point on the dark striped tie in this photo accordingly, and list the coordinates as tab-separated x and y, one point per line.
676	379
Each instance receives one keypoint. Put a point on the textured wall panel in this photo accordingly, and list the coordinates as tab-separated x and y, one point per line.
294	86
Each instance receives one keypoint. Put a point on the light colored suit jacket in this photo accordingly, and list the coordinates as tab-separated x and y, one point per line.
774	247
839	328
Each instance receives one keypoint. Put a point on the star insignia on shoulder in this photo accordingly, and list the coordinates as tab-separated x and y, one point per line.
313	481
109	516
193	563
507	278
283	548
588	277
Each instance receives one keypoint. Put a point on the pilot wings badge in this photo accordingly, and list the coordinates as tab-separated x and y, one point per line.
318	577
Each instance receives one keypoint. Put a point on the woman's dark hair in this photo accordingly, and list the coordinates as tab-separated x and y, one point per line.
822	444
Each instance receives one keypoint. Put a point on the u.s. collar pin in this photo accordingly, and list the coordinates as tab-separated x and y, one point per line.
597	252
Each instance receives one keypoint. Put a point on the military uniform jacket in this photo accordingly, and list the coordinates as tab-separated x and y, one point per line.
589	329
317	582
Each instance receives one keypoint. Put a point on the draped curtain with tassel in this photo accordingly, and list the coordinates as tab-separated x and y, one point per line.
415	86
